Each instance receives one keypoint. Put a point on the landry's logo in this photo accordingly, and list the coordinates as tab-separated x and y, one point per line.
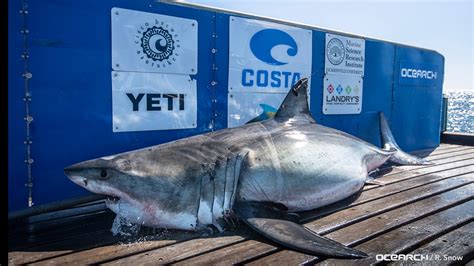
335	51
264	41
345	98
157	43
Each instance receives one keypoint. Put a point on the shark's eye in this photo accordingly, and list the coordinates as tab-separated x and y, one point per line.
103	174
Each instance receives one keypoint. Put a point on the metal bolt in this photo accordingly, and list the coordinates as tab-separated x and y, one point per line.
25	55
213	83
29	161
27	75
231	96
214	50
116	13
29	119
115	75
216	114
117	65
29	185
27	142
25	31
192	69
192	24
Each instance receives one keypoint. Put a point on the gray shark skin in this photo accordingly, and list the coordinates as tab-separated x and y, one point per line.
257	172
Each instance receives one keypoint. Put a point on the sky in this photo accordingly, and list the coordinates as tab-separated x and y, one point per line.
445	26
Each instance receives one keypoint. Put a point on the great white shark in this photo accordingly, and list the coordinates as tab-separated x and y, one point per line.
260	172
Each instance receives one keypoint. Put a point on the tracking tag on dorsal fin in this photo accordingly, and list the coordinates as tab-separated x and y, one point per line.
295	106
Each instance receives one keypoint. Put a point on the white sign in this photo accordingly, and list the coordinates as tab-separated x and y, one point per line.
342	94
243	106
264	57
152	101
148	42
267	57
344	55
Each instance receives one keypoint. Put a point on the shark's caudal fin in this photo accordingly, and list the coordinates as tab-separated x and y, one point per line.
295	105
389	143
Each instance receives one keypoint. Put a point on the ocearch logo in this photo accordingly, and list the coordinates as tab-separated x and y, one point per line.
264	41
418	73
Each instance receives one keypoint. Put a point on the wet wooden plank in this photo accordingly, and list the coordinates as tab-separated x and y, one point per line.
116	250
180	251
377	225
392	178
231	255
408	237
387	190
360	212
437	162
85	241
457	244
350	216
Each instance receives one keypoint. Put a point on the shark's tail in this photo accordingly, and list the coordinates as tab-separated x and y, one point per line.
389	143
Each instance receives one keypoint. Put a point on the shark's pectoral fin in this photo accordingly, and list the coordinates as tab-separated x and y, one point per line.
293	235
301	239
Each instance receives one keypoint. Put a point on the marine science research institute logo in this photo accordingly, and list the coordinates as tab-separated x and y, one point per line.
157	44
263	44
335	51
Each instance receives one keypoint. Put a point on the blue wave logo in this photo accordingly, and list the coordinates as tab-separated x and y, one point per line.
263	42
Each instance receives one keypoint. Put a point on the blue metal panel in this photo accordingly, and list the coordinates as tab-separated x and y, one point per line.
378	82
222	65
416	109
71	65
17	174
71	89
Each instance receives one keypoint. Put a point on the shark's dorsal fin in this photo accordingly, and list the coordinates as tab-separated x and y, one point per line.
295	106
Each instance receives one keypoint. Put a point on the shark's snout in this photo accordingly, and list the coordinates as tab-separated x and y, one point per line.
75	173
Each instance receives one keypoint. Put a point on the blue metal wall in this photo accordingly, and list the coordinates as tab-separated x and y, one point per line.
70	59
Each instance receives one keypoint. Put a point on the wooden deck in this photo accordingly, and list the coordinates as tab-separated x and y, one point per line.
425	210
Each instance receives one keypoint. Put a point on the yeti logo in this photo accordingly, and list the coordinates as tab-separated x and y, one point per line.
264	41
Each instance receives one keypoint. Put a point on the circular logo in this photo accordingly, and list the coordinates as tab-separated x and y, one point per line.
335	51
157	44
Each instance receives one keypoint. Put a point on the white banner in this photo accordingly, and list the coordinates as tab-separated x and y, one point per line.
344	55
264	57
244	106
152	101
342	94
148	42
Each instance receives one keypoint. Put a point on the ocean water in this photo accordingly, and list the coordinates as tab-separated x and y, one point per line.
460	111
